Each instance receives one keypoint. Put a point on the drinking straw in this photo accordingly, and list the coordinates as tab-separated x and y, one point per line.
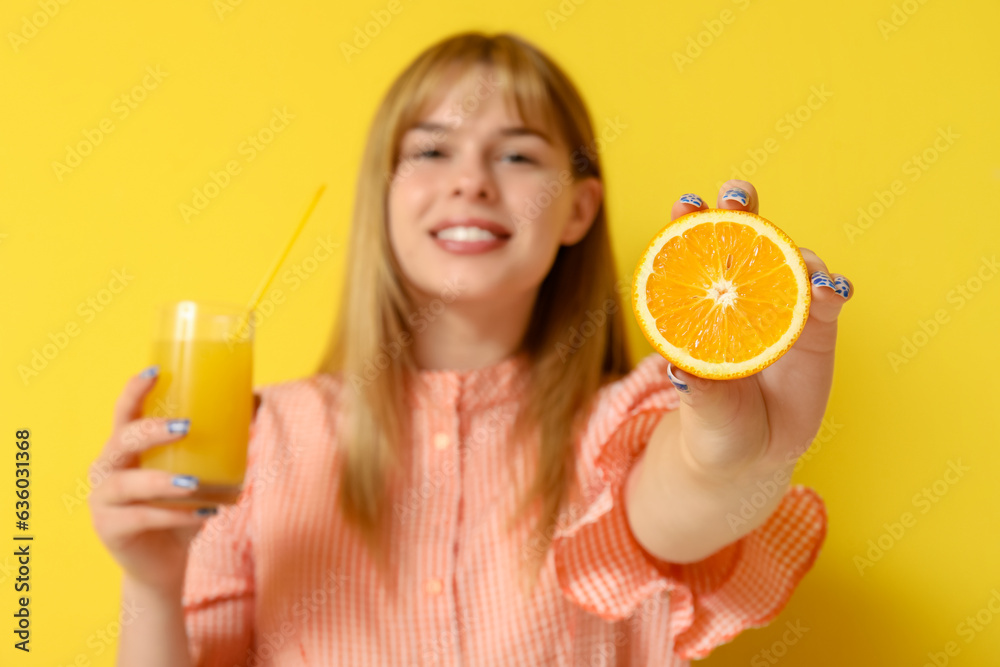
281	258
255	299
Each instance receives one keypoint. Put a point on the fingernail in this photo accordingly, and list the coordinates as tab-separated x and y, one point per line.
185	481
841	286
692	199
678	385
150	372
821	279
206	511
737	195
178	425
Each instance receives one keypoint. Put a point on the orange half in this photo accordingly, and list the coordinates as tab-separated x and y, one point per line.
722	294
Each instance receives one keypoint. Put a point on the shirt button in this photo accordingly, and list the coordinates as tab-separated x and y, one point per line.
434	586
441	440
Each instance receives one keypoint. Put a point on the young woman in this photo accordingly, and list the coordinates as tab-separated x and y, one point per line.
476	474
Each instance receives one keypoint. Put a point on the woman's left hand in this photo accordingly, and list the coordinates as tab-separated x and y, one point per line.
770	418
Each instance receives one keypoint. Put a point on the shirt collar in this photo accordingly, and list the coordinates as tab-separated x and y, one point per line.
474	389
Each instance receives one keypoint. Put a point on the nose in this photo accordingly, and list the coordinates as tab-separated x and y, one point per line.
473	179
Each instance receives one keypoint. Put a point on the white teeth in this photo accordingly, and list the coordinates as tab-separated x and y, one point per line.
466	234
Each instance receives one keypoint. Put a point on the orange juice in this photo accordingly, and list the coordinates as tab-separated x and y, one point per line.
209	381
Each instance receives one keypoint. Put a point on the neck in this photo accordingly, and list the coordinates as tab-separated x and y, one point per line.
469	334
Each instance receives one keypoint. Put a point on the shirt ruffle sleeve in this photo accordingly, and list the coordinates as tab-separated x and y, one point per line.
603	569
218	598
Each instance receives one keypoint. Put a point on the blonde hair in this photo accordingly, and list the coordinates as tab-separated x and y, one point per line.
374	307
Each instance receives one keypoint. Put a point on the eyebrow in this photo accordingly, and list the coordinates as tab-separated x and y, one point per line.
504	131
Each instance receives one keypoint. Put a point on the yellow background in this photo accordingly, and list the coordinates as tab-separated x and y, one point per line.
889	88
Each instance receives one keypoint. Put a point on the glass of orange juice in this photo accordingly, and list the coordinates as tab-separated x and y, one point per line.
205	354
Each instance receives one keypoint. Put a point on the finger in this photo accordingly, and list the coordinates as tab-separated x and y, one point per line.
128	520
129	404
139	485
830	291
686	204
711	397
738	195
716	417
139	435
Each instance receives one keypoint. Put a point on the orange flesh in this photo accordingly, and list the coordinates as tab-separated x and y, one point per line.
722	292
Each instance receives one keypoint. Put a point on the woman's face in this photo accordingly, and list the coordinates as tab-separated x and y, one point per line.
470	160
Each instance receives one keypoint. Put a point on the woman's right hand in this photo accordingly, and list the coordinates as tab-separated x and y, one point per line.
150	543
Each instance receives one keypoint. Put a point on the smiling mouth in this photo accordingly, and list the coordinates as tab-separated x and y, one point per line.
459	241
469	234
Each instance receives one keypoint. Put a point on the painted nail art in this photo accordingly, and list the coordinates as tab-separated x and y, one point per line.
678	385
150	372
207	511
841	286
178	425
692	199
821	279
737	195
185	481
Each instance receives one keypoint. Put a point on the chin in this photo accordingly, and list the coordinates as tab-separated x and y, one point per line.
460	287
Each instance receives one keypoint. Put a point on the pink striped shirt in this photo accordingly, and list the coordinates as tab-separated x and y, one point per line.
279	579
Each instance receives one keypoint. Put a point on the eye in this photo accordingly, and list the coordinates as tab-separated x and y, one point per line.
428	153
523	158
433	152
